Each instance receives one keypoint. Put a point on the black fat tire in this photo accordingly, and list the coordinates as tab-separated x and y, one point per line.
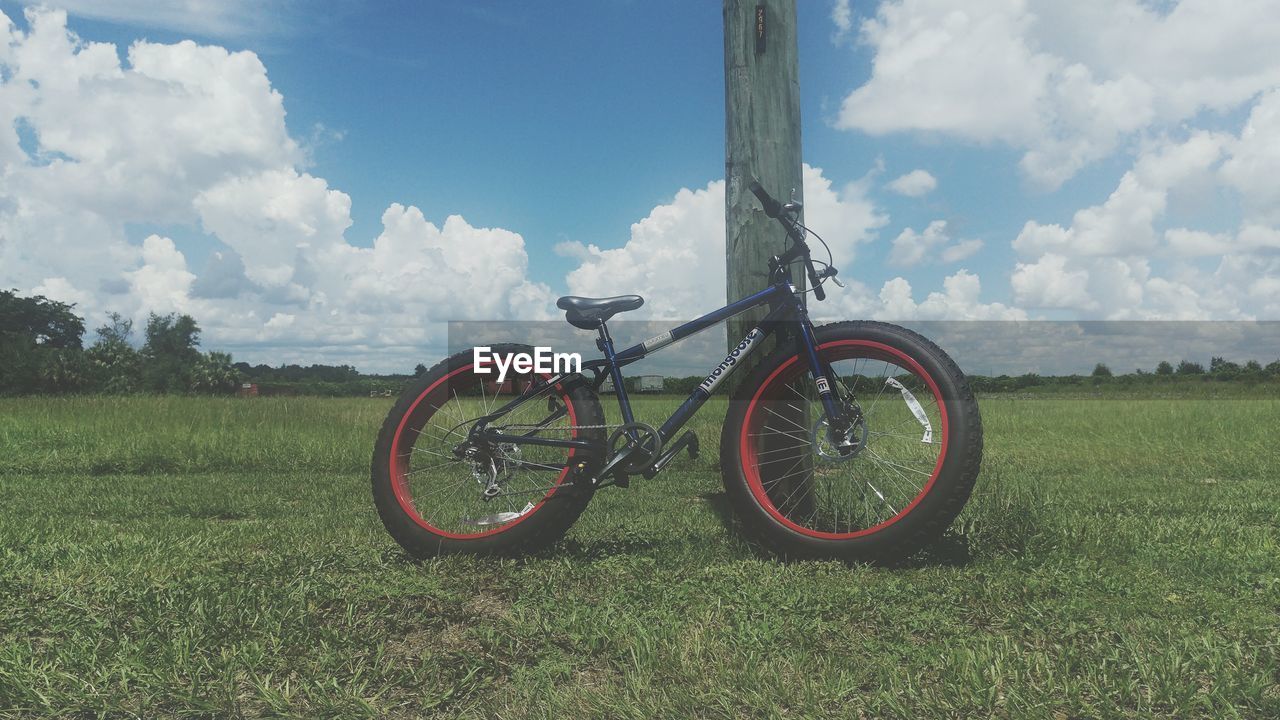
923	524
546	525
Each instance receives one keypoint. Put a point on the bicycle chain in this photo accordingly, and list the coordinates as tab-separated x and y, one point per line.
566	427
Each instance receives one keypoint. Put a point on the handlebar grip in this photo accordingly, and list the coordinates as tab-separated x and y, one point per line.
818	293
772	207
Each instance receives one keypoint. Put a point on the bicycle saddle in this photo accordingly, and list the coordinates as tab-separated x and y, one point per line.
588	313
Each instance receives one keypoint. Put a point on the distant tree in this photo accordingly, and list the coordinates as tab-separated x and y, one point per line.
114	365
419	370
1186	367
40	342
1220	366
170	357
1101	370
1164	368
213	373
1026	381
1272	368
48	323
1253	366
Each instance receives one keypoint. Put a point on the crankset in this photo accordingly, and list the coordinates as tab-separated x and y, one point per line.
640	446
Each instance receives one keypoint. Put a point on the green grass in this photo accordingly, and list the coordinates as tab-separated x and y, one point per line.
197	557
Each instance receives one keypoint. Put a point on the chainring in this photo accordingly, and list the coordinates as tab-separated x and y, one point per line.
649	448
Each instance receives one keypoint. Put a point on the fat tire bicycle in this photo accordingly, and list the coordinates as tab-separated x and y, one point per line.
858	441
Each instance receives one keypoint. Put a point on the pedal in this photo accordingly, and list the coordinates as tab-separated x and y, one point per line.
687	441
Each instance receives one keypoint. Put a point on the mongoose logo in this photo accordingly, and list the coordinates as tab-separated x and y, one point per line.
744	347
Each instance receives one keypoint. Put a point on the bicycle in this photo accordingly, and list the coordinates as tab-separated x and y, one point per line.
854	440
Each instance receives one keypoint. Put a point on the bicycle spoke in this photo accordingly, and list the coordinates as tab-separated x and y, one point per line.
864	489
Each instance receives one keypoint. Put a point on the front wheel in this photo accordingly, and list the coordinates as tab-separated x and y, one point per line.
880	487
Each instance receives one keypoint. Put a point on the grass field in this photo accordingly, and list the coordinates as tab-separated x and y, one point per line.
206	557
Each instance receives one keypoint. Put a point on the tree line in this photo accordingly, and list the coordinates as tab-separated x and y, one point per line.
42	350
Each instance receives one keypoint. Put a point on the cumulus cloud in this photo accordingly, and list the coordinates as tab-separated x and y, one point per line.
912	248
1254	160
1066	83
960	299
194	136
916	183
1104	263
675	256
675	259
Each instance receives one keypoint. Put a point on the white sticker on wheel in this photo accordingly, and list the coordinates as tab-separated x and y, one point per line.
497	518
916	409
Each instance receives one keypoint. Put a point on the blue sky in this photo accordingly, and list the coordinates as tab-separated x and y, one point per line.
566	124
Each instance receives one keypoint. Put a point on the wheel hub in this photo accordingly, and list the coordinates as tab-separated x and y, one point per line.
840	446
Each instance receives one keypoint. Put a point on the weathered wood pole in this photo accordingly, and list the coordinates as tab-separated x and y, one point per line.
762	140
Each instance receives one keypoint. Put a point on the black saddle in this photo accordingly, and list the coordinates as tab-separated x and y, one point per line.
589	313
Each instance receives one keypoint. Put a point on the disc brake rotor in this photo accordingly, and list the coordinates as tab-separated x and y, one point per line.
847	448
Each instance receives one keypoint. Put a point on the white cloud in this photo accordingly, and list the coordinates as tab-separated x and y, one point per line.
916	183
912	248
195	136
842	16
959	300
1048	283
962	250
1101	265
675	259
219	18
1066	83
675	256
1126	223
1255	160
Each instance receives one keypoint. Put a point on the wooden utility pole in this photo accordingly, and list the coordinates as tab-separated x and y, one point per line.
762	140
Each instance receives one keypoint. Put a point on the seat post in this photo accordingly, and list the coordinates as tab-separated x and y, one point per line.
605	343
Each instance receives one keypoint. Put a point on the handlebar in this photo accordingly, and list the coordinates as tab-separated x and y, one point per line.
774	209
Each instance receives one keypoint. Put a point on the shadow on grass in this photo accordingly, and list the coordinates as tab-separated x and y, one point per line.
996	522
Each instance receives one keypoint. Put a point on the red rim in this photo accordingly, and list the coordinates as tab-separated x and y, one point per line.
400	483
747	449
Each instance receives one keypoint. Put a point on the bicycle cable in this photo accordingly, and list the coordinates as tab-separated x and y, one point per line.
830	258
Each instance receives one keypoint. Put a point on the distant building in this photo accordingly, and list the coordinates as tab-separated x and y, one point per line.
649	383
640	384
248	390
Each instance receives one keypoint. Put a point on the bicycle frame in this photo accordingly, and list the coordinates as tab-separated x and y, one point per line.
786	308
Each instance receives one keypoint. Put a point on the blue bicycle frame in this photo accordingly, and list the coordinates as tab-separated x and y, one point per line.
787	310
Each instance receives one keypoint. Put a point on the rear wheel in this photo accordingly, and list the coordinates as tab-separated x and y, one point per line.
877	491
438	492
